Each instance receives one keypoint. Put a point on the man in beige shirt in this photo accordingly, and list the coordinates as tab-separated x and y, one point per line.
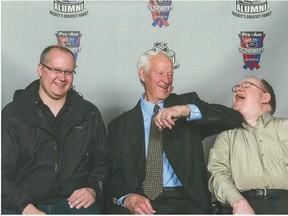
249	165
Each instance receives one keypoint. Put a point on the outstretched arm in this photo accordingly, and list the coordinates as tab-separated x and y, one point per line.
213	118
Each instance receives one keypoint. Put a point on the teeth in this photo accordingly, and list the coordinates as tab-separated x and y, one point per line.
240	97
163	86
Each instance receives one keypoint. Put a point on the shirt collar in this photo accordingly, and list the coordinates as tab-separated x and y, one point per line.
147	106
262	120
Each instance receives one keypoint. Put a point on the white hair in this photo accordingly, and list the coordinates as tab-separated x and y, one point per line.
144	63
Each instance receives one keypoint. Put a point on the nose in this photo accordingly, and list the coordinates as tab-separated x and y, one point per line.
166	77
238	88
61	75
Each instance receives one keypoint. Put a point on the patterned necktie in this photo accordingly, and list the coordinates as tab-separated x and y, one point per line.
153	185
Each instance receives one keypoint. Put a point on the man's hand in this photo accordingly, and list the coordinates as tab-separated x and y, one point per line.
31	209
138	204
167	116
82	198
242	207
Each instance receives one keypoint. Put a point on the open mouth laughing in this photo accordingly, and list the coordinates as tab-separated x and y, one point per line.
239	97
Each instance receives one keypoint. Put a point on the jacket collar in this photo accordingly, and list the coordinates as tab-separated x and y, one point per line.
26	104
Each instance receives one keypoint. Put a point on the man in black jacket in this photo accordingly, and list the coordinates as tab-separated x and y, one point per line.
185	121
54	144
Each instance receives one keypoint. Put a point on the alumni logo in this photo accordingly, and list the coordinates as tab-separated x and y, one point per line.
70	40
68	8
160	10
251	47
251	9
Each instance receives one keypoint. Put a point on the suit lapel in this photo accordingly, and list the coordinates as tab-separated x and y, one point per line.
134	151
168	138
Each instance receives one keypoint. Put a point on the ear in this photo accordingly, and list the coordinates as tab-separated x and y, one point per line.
142	74
40	70
266	98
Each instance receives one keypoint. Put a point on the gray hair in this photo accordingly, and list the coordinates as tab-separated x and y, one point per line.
144	59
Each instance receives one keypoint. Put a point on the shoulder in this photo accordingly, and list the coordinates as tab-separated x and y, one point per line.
133	113
7	110
182	99
182	96
281	122
75	97
22	102
81	105
272	121
277	126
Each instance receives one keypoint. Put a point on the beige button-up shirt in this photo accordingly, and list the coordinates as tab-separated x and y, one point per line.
249	158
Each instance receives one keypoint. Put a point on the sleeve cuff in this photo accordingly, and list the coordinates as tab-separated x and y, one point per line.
195	113
120	200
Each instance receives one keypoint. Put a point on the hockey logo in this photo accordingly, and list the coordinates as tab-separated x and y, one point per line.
251	47
162	46
70	40
160	10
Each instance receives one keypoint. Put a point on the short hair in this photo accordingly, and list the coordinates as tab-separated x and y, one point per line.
269	89
45	52
144	59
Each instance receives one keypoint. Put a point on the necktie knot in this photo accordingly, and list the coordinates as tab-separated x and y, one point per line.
156	110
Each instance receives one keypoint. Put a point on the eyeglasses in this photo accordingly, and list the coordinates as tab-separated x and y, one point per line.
246	85
57	71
